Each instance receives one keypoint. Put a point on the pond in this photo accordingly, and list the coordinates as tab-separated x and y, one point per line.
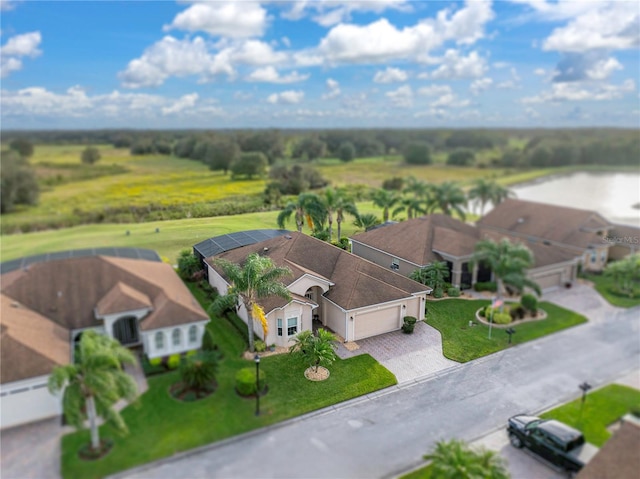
613	195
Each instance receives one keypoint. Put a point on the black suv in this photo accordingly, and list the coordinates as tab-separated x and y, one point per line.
557	443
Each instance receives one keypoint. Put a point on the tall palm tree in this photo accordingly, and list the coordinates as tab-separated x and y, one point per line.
500	193
94	383
456	460
258	278
344	205
433	275
413	205
508	262
336	202
307	206
448	197
418	188
386	200
481	193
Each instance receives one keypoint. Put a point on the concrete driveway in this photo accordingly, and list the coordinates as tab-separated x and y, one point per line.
584	299
408	356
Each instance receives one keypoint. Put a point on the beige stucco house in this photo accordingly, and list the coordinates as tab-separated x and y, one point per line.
415	243
353	297
46	306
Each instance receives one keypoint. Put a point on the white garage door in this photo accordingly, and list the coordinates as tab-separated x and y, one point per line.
377	322
549	281
28	404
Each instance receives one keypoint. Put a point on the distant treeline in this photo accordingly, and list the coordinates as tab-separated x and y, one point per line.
508	147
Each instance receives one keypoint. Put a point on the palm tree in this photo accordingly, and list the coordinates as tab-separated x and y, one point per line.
317	349
481	193
418	188
366	221
258	278
508	262
448	197
385	199
199	370
343	205
433	275
413	205
306	207
94	383
456	460
500	193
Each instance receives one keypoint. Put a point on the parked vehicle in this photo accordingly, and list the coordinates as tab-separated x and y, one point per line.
555	442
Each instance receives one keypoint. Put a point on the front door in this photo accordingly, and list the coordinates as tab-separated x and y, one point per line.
125	330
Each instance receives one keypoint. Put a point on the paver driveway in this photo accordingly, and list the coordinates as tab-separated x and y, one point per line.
408	356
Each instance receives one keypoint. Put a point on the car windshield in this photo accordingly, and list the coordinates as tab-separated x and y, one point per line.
533	424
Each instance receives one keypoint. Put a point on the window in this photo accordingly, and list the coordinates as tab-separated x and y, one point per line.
193	334
395	264
603	257
594	257
292	326
176	337
159	340
279	321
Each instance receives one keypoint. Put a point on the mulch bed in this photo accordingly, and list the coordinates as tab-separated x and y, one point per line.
88	454
183	393
320	375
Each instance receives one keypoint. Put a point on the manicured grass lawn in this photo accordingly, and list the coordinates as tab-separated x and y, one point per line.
463	343
160	426
605	286
601	409
421	473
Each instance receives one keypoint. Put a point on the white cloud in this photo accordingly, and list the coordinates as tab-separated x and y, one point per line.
581	91
285	41
334	89
605	25
271	75
223	18
18	46
466	25
331	12
6	5
183	103
540	72
435	90
255	52
172	57
449	100
286	97
455	66
390	75
480	85
592	65
402	97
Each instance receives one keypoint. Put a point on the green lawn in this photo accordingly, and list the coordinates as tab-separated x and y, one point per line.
421	473
463	343
601	409
160	426
605	286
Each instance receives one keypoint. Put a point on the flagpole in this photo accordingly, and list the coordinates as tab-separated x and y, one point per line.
491	316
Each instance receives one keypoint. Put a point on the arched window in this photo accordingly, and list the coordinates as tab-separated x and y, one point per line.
176	337
193	334
159	340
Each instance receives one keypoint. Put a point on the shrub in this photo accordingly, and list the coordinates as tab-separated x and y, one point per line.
517	312
438	293
199	370
453	292
260	346
409	323
481	312
246	381
207	340
188	264
501	318
529	302
155	361
485	286
174	361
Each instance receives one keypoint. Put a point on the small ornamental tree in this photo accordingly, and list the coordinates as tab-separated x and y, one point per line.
316	350
199	370
188	264
90	155
434	275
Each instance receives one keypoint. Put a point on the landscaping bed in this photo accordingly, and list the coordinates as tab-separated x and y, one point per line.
607	289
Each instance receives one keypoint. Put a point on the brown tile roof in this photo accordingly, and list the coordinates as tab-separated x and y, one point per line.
122	298
619	458
30	344
357	282
571	226
415	240
624	234
68	290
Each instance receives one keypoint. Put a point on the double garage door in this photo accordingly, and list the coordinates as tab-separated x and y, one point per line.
377	322
549	281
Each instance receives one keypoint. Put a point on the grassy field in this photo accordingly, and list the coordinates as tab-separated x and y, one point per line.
606	287
161	426
463	343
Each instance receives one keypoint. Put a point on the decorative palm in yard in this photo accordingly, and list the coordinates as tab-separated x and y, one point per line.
336	202
316	350
257	278
456	460
449	198
433	275
94	383
508	262
366	221
307	207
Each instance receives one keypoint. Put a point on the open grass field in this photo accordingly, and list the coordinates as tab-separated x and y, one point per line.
122	188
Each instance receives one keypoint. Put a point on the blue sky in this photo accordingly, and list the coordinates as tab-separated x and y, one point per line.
319	64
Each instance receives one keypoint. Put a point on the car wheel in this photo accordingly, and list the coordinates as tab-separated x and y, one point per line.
515	441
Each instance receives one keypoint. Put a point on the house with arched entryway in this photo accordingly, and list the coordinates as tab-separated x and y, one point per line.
46	305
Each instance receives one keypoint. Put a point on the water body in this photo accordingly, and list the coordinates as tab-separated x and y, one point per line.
613	195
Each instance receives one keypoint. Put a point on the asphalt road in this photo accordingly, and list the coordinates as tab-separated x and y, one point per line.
387	433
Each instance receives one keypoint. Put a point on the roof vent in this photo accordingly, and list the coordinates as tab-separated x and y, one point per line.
547	242
287	236
15	304
265	249
59	294
520	220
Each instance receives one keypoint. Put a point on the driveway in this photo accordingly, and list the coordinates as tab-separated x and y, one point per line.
408	356
584	299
